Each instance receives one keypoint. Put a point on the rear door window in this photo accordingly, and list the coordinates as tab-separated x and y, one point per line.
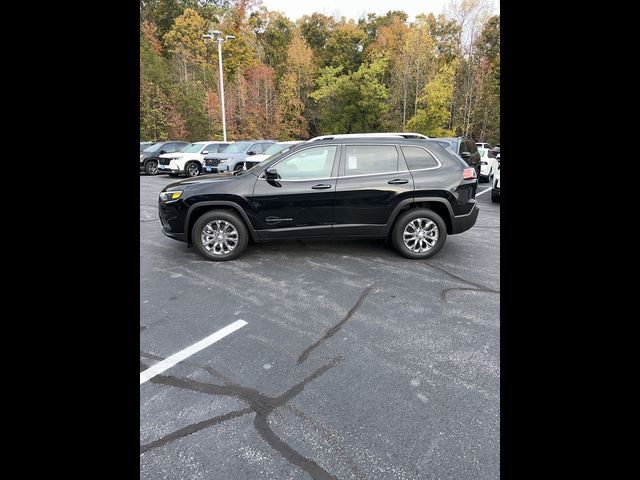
370	159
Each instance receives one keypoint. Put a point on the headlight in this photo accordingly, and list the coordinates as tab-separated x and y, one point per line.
170	196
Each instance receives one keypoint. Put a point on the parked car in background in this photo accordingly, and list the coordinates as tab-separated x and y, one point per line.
144	145
233	157
189	160
465	148
272	150
484	145
488	165
150	156
495	191
413	191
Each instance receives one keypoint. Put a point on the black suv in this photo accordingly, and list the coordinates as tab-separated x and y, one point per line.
149	157
414	191
466	148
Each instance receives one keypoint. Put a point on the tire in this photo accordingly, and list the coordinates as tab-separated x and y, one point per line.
238	166
495	197
192	169
428	217
229	222
151	167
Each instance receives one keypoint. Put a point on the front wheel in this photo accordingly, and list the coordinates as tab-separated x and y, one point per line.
151	167
220	235
495	197
419	233
192	170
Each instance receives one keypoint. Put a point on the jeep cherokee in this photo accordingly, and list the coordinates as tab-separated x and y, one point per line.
411	190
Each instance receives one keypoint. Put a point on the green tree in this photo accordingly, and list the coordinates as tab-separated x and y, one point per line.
185	37
154	107
446	34
294	89
372	24
344	47
433	118
315	29
351	103
190	104
274	32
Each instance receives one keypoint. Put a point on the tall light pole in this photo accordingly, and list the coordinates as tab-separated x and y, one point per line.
217	34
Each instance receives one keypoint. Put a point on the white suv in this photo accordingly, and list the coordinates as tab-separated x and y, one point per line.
188	160
495	192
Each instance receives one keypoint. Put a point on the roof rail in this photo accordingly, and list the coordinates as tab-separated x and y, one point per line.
365	135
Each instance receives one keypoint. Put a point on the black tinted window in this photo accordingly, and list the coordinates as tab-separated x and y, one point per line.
418	158
361	160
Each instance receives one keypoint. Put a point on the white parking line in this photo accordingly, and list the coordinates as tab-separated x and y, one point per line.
484	191
187	352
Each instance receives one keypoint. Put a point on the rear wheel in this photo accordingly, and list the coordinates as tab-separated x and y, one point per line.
220	235
495	197
419	233
151	167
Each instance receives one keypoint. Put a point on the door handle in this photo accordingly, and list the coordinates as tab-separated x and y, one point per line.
398	181
321	186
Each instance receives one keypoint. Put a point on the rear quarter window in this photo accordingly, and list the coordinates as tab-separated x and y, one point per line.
418	158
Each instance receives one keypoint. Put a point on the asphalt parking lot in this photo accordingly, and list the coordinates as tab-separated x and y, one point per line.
354	362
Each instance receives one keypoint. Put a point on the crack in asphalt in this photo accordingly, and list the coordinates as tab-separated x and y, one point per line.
477	286
206	368
333	330
258	402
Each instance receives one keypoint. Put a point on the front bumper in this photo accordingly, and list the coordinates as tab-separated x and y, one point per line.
168	169
462	223
213	169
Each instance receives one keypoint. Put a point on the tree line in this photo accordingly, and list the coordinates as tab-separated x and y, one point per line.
438	75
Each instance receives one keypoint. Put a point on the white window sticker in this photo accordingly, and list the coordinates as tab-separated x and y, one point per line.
353	162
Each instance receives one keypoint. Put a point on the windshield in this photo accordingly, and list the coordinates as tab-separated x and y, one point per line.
276	147
237	147
193	148
154	148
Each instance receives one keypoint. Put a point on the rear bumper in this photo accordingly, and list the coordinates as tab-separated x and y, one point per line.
176	236
462	223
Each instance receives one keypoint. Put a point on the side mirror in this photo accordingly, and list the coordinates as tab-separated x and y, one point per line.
498	157
162	151
204	152
465	154
251	152
271	174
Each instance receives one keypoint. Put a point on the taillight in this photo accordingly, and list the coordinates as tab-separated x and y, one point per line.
469	174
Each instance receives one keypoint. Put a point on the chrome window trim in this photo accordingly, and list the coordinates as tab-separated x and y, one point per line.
262	175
